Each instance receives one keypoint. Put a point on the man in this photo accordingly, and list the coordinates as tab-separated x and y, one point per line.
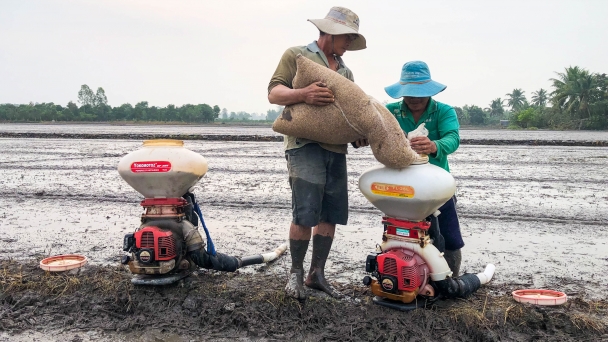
416	88
317	171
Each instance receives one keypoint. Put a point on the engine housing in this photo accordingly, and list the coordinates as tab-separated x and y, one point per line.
402	270
155	250
162	243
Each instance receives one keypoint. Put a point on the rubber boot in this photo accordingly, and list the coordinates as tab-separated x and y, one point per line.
295	287
454	258
321	245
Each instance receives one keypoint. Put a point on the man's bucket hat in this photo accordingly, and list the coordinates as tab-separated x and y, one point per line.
415	82
341	20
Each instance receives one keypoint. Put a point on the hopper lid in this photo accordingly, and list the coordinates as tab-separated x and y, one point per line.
164	142
64	262
540	297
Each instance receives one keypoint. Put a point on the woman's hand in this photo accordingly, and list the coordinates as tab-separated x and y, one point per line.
423	145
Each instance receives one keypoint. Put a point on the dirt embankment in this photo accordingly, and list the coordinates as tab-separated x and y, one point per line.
212	306
231	137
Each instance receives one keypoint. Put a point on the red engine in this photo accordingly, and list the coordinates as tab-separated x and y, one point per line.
402	270
399	273
153	244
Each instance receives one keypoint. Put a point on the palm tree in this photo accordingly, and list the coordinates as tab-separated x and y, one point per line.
496	108
516	99
540	98
574	89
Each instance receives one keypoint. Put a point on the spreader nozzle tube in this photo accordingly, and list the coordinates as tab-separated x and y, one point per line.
461	287
464	285
268	257
227	263
218	262
487	274
262	258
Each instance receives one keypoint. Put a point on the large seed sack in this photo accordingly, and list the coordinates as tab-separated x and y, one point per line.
387	140
353	115
329	124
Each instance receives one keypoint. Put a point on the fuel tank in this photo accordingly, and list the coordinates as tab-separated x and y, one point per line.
162	168
411	193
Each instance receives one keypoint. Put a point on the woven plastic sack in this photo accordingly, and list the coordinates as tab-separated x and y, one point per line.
354	115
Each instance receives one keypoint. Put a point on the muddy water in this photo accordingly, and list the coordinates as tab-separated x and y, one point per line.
539	213
190	129
138	129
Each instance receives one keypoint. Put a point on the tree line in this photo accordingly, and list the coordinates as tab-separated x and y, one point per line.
578	100
94	107
270	115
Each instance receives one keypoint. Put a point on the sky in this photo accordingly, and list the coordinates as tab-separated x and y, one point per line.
224	52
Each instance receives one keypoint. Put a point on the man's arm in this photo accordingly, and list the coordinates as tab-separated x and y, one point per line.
280	88
315	94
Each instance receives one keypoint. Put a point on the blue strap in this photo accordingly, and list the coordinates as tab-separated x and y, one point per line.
210	245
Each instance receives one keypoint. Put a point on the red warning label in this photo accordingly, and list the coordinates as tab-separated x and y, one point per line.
151	166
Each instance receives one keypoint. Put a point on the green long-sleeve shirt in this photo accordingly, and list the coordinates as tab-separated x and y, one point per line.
441	122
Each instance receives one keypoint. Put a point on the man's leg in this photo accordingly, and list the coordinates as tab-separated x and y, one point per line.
307	180
322	238
334	211
299	237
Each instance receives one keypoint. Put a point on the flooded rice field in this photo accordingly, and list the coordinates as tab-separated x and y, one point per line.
138	129
211	131
539	213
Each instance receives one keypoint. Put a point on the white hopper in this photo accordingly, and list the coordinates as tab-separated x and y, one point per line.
162	169
411	193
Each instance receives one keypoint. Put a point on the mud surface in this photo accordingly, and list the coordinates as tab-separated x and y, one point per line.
540	213
100	304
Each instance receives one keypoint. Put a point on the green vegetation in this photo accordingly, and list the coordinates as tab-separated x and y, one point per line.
94	108
578	100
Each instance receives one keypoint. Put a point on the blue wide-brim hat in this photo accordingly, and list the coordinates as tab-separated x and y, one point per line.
415	82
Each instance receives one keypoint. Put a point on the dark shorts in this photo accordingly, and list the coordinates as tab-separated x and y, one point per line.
319	187
449	225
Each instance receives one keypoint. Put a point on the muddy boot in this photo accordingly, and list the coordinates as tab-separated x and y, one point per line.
454	258
316	276
295	287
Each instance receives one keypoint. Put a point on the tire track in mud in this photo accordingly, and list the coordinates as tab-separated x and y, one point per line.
522	179
515	218
509	163
254	176
270	138
279	205
227	171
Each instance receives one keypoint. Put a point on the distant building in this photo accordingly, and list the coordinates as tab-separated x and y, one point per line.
504	123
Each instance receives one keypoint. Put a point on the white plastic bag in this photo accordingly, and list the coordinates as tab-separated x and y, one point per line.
421	131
